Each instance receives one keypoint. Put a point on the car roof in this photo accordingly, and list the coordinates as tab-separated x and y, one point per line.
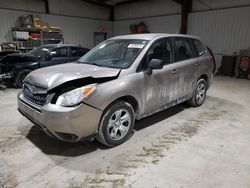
61	45
151	36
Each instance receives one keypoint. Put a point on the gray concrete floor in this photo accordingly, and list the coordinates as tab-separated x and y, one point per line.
180	147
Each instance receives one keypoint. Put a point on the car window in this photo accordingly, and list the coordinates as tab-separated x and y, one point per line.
183	49
59	52
119	53
199	47
161	50
77	52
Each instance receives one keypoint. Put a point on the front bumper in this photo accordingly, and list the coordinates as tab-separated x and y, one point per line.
66	123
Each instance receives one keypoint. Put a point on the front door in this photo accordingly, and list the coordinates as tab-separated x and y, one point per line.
58	56
161	87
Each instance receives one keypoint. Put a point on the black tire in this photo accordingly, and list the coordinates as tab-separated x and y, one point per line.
105	130
20	77
194	101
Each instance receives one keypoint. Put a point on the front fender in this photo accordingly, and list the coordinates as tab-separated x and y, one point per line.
108	92
20	66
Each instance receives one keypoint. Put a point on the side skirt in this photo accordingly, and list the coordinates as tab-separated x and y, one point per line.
165	106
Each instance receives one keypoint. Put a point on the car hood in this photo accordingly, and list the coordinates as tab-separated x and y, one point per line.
51	77
17	58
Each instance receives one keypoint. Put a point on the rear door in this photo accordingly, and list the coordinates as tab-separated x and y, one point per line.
187	65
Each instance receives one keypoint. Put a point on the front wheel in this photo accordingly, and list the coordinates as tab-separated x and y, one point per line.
116	124
199	93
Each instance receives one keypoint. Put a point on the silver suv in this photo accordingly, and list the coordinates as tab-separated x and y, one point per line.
121	80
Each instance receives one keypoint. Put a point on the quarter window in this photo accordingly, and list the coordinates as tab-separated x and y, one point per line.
199	47
183	49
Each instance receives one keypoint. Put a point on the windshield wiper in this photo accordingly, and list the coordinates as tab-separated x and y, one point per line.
85	62
95	64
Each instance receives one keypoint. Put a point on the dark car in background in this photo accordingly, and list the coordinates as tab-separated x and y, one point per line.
15	67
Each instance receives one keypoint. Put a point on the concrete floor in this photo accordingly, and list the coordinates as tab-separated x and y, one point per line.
180	147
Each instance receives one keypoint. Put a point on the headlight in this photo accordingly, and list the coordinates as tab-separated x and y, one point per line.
75	96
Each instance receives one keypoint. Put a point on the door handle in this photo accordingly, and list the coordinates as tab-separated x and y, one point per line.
174	71
197	63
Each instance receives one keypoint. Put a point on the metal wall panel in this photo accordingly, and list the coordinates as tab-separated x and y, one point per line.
142	9
199	5
78	31
78	8
163	24
226	31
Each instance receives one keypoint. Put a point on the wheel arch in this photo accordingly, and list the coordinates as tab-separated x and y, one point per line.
206	78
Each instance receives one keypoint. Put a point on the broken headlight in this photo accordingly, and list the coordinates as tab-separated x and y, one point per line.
75	96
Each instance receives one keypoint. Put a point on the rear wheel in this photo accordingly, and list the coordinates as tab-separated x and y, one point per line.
116	124
20	77
199	93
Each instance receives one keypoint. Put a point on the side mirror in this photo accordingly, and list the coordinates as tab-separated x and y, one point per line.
154	64
50	55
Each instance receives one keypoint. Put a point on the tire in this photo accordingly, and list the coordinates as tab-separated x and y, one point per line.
112	131
199	94
20	77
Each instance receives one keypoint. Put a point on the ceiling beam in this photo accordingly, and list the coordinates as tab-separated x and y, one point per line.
46	6
186	8
178	1
98	2
128	2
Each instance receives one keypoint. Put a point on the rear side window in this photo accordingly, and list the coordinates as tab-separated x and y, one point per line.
199	47
77	52
183	49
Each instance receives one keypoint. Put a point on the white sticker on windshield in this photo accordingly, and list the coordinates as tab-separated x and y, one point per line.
136	45
45	49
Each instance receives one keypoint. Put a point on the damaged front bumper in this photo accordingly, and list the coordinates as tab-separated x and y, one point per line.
70	124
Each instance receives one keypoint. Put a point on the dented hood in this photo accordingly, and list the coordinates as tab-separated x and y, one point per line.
51	77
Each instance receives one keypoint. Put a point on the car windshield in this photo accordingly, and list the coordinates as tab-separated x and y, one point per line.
40	51
114	53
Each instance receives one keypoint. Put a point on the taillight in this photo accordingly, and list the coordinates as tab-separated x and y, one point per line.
210	58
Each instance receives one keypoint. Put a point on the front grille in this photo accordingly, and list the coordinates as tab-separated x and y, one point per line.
38	99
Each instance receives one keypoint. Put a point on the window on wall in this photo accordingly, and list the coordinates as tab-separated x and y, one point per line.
183	49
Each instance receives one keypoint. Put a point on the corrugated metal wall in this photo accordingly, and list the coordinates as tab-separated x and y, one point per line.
142	9
163	24
78	31
226	31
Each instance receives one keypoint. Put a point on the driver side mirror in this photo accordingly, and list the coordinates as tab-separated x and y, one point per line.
50	55
154	64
